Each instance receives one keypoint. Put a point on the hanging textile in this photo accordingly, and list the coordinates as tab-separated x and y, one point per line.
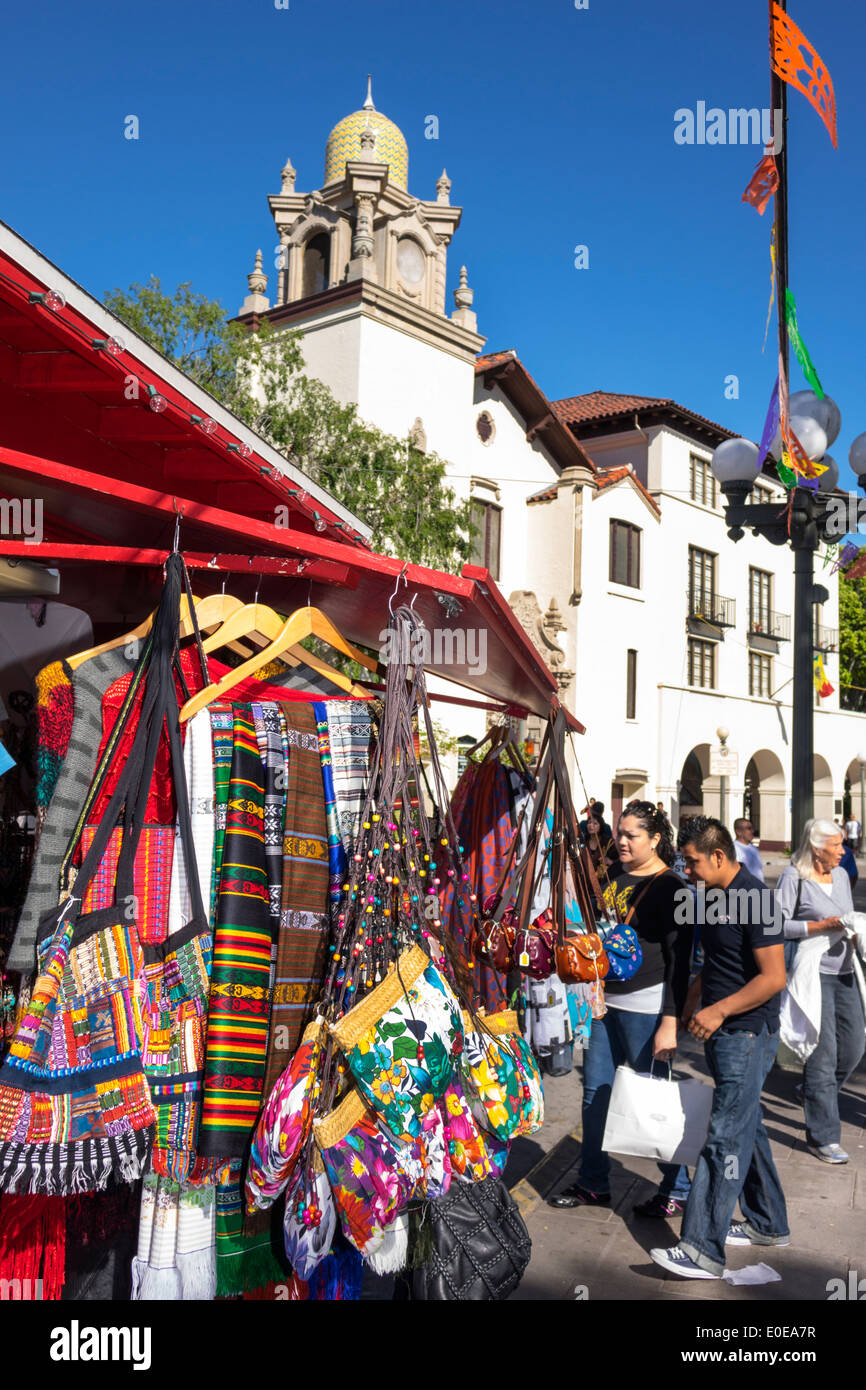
337	861
74	1101
89	683
176	1256
304	915
800	350
763	184
245	1260
485	830
349	735
54	712
268	725
237	1032
222	723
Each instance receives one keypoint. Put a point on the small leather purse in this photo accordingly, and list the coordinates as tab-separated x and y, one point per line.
581	958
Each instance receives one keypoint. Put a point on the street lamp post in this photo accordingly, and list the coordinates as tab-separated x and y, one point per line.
734	465
861	758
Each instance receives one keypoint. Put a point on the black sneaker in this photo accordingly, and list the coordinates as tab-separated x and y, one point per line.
660	1207
577	1196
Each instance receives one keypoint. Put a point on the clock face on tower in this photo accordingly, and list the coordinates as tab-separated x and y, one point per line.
410	261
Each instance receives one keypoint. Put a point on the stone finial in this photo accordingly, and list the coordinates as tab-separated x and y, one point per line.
289	174
257	280
368	104
368	139
256	301
463	296
363	241
443	188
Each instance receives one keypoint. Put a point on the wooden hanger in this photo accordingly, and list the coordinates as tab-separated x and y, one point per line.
257	617
135	635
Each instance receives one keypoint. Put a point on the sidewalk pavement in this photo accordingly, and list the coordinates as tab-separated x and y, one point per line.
606	1249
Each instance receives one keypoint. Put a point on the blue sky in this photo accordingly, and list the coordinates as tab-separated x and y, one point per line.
556	127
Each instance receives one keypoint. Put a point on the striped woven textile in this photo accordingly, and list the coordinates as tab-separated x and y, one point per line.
274	757
304	915
244	1258
337	860
239	1005
151	879
221	720
349	735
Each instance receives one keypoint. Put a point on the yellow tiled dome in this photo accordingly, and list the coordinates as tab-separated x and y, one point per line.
344	143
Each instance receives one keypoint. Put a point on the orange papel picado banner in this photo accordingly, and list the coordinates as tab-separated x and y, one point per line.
797	63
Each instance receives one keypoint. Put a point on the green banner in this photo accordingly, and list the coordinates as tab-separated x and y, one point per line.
800	349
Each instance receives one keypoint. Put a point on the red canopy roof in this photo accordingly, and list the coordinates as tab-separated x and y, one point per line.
113	475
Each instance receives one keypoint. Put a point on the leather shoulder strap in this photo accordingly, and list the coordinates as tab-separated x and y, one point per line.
643	890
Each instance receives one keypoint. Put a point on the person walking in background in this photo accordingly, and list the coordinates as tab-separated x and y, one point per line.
641	1019
849	864
813	894
853	830
746	852
733	1007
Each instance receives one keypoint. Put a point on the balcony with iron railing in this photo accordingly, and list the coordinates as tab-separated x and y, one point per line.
764	623
826	639
712	608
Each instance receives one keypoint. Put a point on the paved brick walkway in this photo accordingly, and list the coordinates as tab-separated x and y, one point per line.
606	1249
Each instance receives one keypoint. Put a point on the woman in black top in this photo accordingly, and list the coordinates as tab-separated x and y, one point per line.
641	1019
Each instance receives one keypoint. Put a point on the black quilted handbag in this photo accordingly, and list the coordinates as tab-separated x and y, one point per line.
481	1246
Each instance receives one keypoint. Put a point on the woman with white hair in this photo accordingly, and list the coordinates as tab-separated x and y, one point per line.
812	895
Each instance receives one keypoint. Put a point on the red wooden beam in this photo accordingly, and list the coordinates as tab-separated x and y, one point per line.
282	565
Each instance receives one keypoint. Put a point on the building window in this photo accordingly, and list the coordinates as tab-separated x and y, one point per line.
625	554
761	494
760	675
317	260
760	583
484	427
703	483
702	664
630	684
486	519
702	580
411	261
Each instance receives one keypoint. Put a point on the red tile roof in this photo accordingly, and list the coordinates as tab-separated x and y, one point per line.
604	479
603	405
538	413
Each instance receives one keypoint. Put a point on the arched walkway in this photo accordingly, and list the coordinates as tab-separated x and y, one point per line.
690	787
824	802
765	799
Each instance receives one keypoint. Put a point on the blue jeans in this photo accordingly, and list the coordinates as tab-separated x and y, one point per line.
840	1047
617	1039
736	1161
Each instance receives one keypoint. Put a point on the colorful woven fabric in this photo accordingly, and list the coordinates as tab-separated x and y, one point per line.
349	735
268	724
304	915
243	1262
337	861
484	826
237	1034
222	723
151	879
54	709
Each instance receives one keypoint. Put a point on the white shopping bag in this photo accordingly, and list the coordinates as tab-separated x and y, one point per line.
655	1118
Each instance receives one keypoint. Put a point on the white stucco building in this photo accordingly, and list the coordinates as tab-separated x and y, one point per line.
599	517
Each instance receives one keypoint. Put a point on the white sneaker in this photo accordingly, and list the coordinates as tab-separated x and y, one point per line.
829	1153
676	1261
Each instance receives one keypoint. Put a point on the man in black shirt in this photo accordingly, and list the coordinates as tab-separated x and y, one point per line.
738	1020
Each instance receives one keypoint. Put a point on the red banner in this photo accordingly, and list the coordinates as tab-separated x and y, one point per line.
762	185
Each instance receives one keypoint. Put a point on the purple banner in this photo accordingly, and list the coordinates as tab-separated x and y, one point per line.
771	424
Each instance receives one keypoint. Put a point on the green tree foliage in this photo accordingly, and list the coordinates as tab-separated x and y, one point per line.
852	631
401	493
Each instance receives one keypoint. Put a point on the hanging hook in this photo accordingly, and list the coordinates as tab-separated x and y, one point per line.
309	593
258	586
177	516
401	575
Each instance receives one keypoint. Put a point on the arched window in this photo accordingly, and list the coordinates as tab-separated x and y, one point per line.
317	264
